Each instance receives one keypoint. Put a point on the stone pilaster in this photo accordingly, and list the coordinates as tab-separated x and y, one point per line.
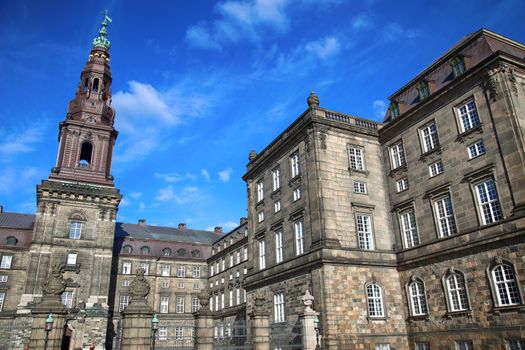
309	320
260	324
204	323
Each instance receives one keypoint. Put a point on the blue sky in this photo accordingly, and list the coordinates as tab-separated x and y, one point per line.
197	84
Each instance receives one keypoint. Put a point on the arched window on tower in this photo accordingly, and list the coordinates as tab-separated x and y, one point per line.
85	153
95	84
85	89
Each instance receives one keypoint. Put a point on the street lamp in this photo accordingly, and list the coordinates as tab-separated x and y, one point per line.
154	329
48	327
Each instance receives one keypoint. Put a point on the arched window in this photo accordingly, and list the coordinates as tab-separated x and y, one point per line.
166	252
85	153
196	254
75	229
505	285
457	294
127	249
374	299
95	84
181	252
145	250
11	240
417	298
85	85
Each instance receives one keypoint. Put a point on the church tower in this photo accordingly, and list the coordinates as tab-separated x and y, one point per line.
77	206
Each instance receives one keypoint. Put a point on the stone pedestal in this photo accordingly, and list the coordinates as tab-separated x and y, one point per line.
136	327
309	320
260	330
40	314
204	329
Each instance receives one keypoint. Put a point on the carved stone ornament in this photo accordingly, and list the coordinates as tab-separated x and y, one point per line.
313	100
308	300
55	283
204	298
259	300
139	286
252	155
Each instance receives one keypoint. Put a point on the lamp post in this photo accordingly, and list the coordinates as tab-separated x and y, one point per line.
47	328
154	329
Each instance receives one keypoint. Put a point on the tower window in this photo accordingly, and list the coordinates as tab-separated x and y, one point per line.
85	153
95	84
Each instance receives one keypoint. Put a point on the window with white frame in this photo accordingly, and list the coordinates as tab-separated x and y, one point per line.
238	296
164	304
231	259
468	115
260	191
445	216
278	247
402	184
458	66
422	346
66	298
383	346
126	268
435	168
296	194
223	264
222	301
179	306
364	232
196	285
277	206
75	230
212	270
181	270
409	229
125	283
488	202
163	333
429	137
359	187
2	300
295	164
418	300
505	285
262	254
165	284
245	252
516	344
179	335
196	272
3	278
299	236
238	256
397	155
230	299
181	285
165	270
464	345
278	307
71	259
476	149
145	267
374	299
237	274
276	178
123	302
260	216
457	292
357	155
195	304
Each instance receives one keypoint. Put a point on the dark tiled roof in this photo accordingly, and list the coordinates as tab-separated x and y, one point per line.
17	221
138	231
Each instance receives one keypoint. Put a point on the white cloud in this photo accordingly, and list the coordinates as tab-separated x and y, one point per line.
13	180
135	195
324	48
396	32
199	37
361	22
176	177
124	202
225	174
379	107
205	174
19	141
186	195
142	206
226	226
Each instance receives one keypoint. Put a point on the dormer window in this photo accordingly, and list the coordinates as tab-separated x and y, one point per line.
166	252
11	240
458	66
181	252
423	89
85	153
394	110
127	249
196	254
145	250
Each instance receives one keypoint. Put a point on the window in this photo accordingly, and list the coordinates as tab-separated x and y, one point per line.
423	89
165	283
145	267
397	155
276	178
374	299
468	116
505	285
212	270
458	66
181	285
356	158
196	272
435	168
127	249
429	137
383	347
180	305
66	298
457	292
297	194
163	333
238	296
222	301
408	226
359	187
11	241
299	237
245	252
181	270
260	191
262	255
126	268
445	217
260	216
231	300
476	149
231	259
75	229
277	206
165	270
223	264
516	344
164	305
364	232
3	278
123	302
278	247
196	285
86	150
195	304
238	256
295	164
181	252
402	184
422	346
418	301
145	250
166	251
2	299
394	110
488	202
195	254
71	259
178	333
278	307
464	345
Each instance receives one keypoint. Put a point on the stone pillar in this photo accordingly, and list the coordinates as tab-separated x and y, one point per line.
204	323
260	324
136	318
309	321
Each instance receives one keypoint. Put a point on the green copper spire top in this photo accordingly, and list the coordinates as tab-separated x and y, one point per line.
101	40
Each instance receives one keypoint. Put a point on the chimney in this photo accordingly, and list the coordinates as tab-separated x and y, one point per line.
243	220
142	222
182	227
217	229
1	208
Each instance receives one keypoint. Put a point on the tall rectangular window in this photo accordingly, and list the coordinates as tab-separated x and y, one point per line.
145	267
75	230
402	184
245	252
72	259
435	168
445	216
126	268
222	300
429	137
123	302
476	149
165	284
238	296
383	346
165	270
364	232
295	164
296	194
424	89
231	259
277	206
468	116
260	191
488	202
260	216
179	335
181	271
397	155
164	305
163	333
422	346
516	344
464	345
276	178
356	158
231	300
408	226
196	271
66	298
458	66
179	306
2	300
278	247
299	237
237	256
262	254
278	307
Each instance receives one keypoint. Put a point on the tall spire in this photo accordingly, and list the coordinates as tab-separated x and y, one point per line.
101	40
